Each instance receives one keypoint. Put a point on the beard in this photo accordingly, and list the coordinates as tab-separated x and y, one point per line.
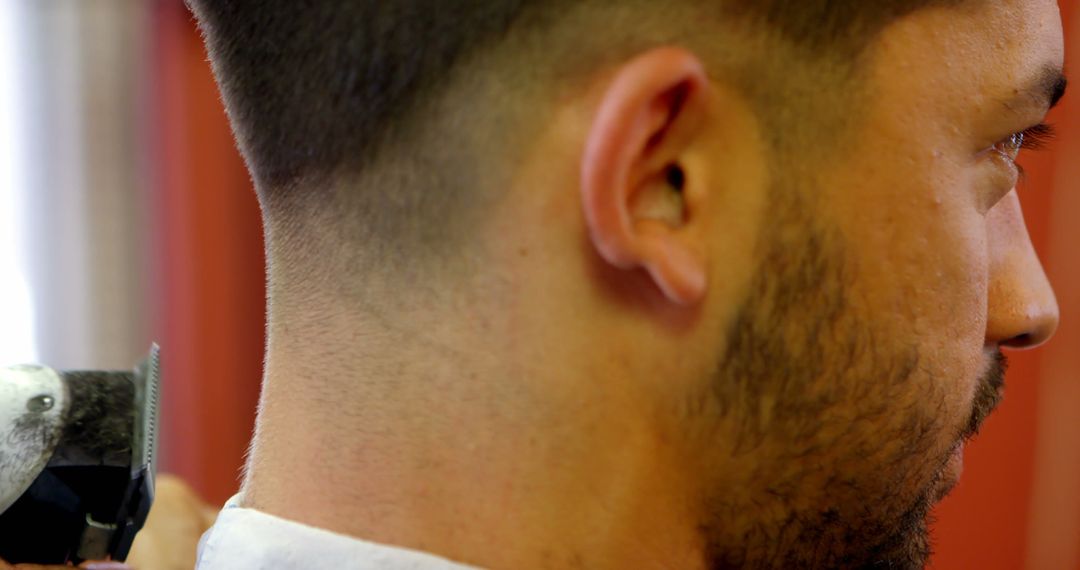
838	424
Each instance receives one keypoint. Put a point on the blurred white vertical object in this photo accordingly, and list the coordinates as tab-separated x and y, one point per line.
16	308
80	187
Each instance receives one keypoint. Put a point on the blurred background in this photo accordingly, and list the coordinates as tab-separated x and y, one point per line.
126	215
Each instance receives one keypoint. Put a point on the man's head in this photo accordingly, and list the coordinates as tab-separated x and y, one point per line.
327	96
733	274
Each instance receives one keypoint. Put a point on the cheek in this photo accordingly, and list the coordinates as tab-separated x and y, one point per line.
949	305
918	256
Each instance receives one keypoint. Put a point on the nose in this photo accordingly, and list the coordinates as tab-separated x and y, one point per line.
1022	312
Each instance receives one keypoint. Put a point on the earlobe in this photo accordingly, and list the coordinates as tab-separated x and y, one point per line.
638	199
676	267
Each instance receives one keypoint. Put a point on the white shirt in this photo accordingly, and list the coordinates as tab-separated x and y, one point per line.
246	539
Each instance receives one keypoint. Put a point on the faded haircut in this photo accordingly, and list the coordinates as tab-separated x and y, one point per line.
344	109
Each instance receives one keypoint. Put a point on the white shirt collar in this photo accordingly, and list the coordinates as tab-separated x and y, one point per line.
243	539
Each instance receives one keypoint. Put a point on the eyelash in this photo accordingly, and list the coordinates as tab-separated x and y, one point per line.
1034	138
1038	137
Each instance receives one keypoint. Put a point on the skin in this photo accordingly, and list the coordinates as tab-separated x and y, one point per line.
734	366
177	520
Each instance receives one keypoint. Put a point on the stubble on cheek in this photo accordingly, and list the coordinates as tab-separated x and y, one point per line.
833	424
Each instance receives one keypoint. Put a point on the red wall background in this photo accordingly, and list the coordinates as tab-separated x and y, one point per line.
1018	505
210	310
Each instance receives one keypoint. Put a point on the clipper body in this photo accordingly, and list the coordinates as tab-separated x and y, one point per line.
77	461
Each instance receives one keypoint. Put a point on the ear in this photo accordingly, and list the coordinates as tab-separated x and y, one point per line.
638	197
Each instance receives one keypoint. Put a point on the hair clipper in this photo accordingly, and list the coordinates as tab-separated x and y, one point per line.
77	461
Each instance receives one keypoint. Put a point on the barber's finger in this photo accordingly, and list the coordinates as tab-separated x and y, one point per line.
104	566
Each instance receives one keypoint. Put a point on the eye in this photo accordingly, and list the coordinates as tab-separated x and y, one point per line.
1034	138
1011	146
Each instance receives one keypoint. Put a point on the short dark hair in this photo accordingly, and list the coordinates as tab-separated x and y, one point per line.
317	87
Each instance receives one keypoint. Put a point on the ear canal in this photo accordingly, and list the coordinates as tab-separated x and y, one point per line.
676	178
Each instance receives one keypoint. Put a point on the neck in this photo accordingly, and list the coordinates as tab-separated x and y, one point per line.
416	441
